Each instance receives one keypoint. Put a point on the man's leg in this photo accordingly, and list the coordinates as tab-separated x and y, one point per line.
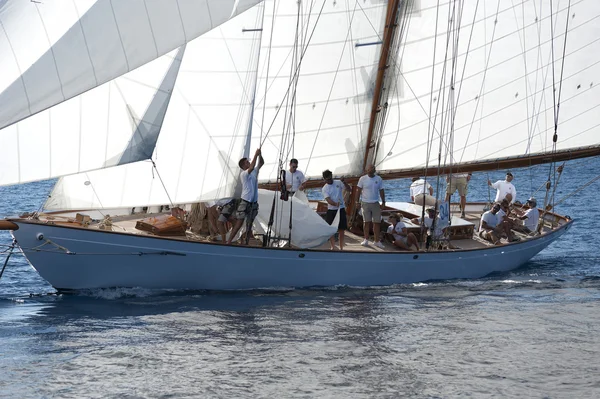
341	232
400	244
236	228
412	240
376	230
463	204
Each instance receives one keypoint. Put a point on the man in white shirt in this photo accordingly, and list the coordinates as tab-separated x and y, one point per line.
370	187
488	224
505	189
530	218
333	193
294	178
430	216
460	182
418	192
248	207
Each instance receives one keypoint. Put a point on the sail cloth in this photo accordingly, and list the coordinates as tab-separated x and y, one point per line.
202	138
503	84
53	50
335	61
113	124
309	230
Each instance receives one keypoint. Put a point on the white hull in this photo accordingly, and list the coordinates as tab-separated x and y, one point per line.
109	259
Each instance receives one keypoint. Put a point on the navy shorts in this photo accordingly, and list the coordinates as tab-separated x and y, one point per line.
343	224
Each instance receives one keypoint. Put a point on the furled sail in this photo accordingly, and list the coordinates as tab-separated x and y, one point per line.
203	135
495	83
54	50
112	124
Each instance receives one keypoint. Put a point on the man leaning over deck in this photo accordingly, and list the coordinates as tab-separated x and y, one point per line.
248	207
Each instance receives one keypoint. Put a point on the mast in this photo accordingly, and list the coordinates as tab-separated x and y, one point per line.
388	34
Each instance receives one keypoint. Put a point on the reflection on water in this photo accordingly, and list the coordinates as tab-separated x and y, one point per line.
504	338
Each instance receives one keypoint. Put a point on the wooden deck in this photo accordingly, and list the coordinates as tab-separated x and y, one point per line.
126	224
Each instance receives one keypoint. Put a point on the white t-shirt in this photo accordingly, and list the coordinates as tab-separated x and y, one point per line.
370	188
419	187
395	231
438	226
533	217
334	192
249	185
490	219
504	188
295	179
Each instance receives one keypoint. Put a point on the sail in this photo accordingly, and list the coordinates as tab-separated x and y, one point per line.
206	126
203	135
329	73
112	124
54	50
495	82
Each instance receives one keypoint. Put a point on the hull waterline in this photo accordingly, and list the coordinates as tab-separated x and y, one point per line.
75	259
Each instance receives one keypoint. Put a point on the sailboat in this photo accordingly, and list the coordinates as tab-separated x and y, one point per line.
139	107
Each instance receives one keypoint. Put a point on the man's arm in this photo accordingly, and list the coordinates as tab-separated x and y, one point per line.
253	163
261	161
332	202
346	185
430	190
359	191
485	226
382	195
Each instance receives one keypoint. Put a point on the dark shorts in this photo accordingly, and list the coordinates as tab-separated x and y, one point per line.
343	225
227	210
246	210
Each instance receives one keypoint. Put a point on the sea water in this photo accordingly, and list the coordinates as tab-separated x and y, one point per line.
530	333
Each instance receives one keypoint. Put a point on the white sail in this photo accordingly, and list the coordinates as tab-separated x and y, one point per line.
54	50
205	129
203	135
110	125
340	45
503	91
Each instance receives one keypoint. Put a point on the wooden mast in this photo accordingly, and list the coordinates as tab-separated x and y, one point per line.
388	35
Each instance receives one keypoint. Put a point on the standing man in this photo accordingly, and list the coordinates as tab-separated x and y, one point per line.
294	178
334	195
460	182
371	188
506	190
248	207
418	192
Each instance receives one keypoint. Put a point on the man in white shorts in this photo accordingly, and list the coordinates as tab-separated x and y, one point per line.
418	192
460	182
370	189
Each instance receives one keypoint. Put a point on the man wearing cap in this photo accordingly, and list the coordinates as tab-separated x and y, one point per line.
430	216
530	218
505	189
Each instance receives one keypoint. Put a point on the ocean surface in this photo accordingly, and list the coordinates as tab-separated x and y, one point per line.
530	333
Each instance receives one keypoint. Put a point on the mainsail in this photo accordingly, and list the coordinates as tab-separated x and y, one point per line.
54	50
498	70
